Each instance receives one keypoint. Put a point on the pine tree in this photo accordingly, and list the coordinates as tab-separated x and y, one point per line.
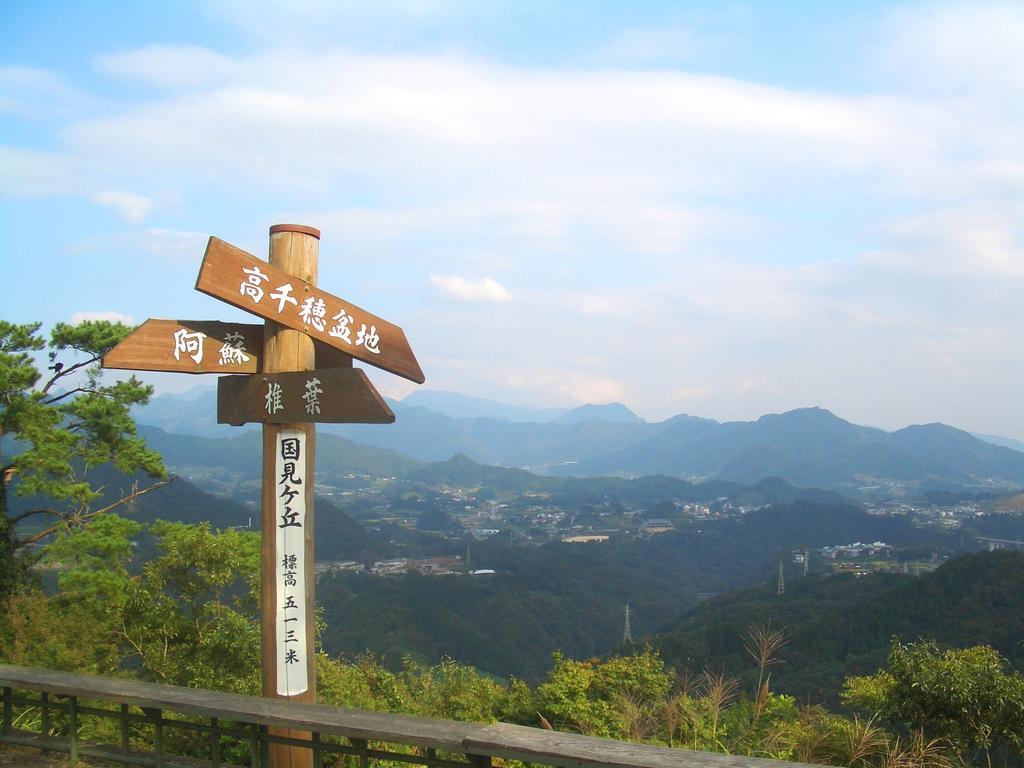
55	428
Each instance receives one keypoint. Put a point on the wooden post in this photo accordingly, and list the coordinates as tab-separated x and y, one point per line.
295	250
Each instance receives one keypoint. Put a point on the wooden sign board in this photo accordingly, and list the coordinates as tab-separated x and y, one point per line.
189	346
249	283
333	395
202	346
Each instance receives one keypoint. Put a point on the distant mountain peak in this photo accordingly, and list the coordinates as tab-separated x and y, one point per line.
615	413
810	412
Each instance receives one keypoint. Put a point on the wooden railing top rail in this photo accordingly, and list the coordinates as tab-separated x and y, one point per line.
515	742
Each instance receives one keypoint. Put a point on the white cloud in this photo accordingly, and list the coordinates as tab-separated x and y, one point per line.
170	244
572	132
691	392
957	46
169	66
562	384
109	316
646	44
965	243
553	158
131	207
485	289
31	93
606	304
30	173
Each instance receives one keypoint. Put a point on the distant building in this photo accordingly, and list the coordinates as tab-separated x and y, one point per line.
389	567
436	566
336	566
655	526
483	533
857	549
585	538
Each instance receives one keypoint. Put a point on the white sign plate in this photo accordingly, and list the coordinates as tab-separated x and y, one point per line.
290	488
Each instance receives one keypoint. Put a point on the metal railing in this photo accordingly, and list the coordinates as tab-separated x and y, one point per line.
147	722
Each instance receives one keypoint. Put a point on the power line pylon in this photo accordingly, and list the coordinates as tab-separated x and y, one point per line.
782	581
627	633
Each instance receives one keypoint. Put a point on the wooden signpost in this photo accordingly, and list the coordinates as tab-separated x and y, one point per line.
296	370
203	346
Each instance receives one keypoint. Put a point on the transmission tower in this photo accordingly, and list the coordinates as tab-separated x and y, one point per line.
627	633
807	559
782	581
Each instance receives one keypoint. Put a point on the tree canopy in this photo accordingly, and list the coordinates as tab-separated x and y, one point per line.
964	695
57	427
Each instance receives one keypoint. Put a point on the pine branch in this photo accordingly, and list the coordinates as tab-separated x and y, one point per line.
42	511
65	371
70	392
79	517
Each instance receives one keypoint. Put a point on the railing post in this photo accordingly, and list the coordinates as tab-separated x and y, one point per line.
264	747
157	716
8	709
73	716
361	747
480	761
125	740
318	758
44	728
214	742
254	746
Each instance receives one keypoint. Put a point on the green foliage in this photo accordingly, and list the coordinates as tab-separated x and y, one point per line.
190	616
94	560
610	698
965	696
449	690
56	436
363	683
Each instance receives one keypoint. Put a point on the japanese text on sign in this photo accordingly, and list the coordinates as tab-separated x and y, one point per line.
190	343
275	395
290	624
312	311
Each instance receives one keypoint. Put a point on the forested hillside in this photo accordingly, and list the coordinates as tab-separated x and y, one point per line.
572	597
843	625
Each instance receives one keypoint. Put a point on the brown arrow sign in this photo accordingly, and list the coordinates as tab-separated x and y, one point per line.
189	346
202	346
333	395
249	283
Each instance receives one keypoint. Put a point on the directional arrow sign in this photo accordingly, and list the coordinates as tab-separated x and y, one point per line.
202	346
189	346
333	395
249	283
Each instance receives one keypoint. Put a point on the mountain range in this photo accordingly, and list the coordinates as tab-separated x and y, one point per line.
805	447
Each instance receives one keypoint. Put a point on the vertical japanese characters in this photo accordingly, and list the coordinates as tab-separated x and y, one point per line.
290	617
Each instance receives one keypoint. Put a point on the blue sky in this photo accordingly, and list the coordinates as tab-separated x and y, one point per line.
712	208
